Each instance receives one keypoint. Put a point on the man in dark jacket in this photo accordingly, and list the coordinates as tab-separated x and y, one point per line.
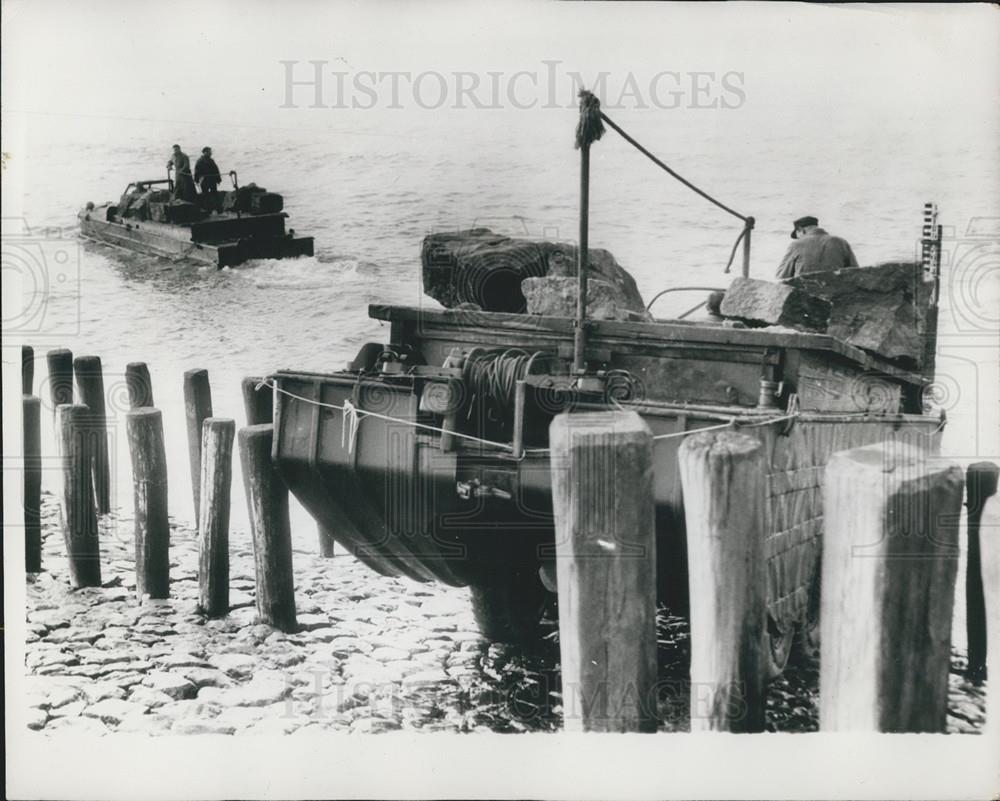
206	175
814	250
183	185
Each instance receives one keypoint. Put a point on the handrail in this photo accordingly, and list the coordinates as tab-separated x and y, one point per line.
660	294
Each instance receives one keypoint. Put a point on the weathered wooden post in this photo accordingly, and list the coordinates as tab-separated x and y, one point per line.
139	385
213	530
990	552
602	494
722	475
980	485
267	503
890	555
31	408
144	427
60	365
197	407
90	386
259	406
27	370
78	515
258	403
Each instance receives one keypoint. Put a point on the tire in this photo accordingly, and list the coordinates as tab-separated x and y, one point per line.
508	603
778	648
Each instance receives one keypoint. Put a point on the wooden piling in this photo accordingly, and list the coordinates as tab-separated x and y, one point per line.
722	475
267	503
90	387
139	385
60	366
213	530
27	370
258	403
980	485
32	442
78	514
144	428
990	552
197	407
259	407
606	565
890	556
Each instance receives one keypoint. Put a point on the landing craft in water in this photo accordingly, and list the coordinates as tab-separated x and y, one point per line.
245	223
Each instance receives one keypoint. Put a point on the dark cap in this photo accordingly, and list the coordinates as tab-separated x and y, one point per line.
802	222
206	150
178	147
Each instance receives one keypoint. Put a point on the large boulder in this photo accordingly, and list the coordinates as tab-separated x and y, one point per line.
882	309
763	303
555	296
481	267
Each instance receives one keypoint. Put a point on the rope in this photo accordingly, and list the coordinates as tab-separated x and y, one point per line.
361	414
354	416
663	166
736	245
589	128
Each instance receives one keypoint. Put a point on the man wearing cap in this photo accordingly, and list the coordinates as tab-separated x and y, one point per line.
183	185
814	250
206	175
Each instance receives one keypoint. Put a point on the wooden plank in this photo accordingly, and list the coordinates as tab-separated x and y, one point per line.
890	556
722	474
606	567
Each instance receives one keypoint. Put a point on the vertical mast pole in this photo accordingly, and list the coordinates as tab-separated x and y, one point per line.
589	129
749	222
582	262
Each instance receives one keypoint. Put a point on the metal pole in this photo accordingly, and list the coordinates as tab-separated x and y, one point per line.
580	339
746	247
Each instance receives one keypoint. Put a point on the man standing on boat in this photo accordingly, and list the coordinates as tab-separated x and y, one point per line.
814	250
183	185
207	176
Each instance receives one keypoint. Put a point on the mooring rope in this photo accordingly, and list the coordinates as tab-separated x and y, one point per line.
353	417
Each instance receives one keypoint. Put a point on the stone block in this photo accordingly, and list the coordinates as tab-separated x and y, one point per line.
764	303
882	309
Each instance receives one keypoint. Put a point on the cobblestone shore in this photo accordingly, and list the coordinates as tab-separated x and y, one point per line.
372	654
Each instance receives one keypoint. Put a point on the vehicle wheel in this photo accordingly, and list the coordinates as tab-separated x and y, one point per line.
508	603
778	647
805	649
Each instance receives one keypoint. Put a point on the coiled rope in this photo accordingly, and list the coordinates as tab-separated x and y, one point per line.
492	377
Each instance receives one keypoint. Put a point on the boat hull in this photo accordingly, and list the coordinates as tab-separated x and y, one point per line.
230	246
405	494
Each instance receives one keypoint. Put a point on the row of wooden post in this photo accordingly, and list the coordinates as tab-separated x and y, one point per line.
890	557
81	432
891	527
